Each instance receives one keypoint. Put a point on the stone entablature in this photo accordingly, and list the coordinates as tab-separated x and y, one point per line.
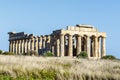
69	42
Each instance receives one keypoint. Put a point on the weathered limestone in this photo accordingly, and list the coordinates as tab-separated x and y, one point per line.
22	46
58	48
10	46
19	47
88	46
69	42
62	45
28	44
79	45
103	47
36	44
70	50
96	46
32	42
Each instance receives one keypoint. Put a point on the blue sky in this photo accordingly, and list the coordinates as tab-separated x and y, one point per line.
43	16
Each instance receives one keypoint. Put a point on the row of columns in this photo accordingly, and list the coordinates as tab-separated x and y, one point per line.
26	45
99	46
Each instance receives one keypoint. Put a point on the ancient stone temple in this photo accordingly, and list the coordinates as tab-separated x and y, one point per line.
69	42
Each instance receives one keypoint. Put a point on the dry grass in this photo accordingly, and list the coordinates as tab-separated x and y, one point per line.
54	68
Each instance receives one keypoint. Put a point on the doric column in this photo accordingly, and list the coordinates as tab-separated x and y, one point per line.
70	47
96	46
25	46
32	44
19	47
62	45
29	41
13	46
103	47
10	46
88	46
36	44
16	46
99	48
79	44
44	40
53	50
40	43
22	43
58	48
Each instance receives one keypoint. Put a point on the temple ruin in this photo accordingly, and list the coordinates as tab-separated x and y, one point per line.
69	42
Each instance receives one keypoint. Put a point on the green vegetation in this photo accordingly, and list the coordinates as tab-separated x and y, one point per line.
41	75
82	54
8	53
110	57
48	54
1	51
54	68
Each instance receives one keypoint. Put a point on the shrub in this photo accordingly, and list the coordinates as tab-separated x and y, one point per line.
8	53
48	54
82	54
111	57
1	51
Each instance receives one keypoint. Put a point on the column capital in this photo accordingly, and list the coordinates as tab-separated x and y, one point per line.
62	34
79	35
103	36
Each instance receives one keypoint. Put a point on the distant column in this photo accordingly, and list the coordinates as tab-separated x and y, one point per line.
58	48
99	48
10	46
44	40
22	46
79	44
36	44
16	45
25	46
62	45
32	44
70	50
103	47
19	47
88	46
96	46
53	49
13	46
29	41
40	42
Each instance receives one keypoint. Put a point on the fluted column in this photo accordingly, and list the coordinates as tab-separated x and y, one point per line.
25	46
29	41
36	44
13	46
88	46
96	46
99	48
62	45
16	45
22	43
70	47
19	47
32	44
10	46
79	44
44	40
58	48
103	47
53	49
40	43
